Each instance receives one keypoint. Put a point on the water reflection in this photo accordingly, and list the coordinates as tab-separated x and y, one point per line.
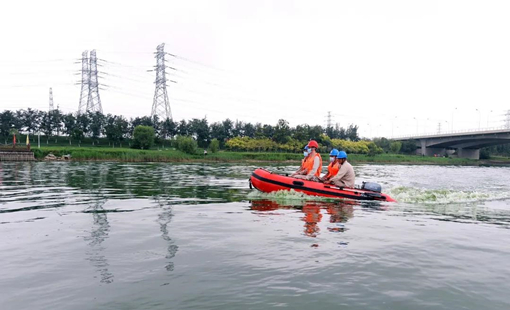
164	219
94	180
98	235
313	213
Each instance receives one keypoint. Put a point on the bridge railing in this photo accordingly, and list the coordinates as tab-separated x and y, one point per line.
451	132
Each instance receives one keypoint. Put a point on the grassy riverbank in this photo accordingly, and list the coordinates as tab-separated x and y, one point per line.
132	155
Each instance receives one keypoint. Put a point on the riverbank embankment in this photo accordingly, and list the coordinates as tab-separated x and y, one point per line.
170	155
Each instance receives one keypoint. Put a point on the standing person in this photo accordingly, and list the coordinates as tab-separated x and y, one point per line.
333	166
313	165
345	176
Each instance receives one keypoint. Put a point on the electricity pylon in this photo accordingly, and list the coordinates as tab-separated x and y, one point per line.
160	104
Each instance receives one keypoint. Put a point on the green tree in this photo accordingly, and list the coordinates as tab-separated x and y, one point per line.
56	122
83	123
78	135
228	126
315	132
238	130
221	131
168	129
352	133
69	125
268	131
373	149
301	133
281	131
47	125
31	120
408	147
156	124
143	137
200	129
485	153
395	146
259	131
383	143
121	129
7	122
214	146
109	129
249	130
183	128
96	125
186	144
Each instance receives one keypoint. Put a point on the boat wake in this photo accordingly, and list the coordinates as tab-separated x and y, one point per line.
442	196
400	194
286	196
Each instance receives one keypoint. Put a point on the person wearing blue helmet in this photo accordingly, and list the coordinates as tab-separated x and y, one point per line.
345	176
333	166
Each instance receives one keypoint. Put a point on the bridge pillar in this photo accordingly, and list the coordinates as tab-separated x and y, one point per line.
468	153
423	148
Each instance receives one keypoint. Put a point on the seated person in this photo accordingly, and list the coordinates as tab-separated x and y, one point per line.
345	176
333	166
312	166
301	169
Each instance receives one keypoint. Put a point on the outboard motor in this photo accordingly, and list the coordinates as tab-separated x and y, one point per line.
370	186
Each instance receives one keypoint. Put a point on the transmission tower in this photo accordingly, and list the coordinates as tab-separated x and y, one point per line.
507	120
328	120
51	100
160	104
84	94
93	101
439	127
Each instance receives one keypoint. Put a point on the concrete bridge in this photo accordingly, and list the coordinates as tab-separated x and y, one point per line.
467	144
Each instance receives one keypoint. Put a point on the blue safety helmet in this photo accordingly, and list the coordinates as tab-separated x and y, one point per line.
341	155
334	152
306	148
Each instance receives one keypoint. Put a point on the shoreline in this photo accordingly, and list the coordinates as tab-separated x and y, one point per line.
253	161
105	154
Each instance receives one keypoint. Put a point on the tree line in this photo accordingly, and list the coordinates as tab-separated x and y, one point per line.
118	130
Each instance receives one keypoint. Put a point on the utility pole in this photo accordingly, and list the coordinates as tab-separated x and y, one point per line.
94	101
84	93
51	100
160	104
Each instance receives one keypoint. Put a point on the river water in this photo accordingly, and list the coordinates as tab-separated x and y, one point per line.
173	236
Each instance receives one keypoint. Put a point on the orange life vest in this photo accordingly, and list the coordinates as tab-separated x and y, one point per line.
303	162
308	164
332	169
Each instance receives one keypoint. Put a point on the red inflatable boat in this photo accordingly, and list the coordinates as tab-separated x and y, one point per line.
267	182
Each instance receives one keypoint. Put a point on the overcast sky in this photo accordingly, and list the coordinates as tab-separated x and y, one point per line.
390	67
